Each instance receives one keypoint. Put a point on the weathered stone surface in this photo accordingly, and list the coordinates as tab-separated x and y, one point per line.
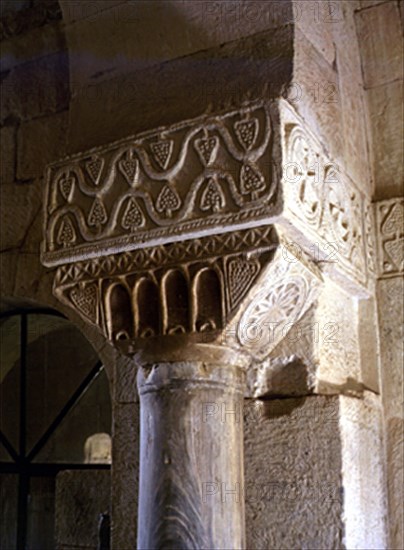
390	308
395	474
7	154
368	339
369	3
28	47
317	20
36	88
352	98
80	499
20	203
211	81
387	130
380	35
125	387
365	515
293	485
390	294
40	142
187	27
338	347
125	475
316	96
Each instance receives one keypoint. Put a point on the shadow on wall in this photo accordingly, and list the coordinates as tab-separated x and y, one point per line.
168	61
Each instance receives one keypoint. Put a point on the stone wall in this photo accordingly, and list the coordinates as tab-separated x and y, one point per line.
81	498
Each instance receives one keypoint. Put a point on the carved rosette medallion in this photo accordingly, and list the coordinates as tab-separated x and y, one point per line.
390	236
288	291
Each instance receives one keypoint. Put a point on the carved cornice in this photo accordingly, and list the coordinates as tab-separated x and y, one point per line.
200	177
390	237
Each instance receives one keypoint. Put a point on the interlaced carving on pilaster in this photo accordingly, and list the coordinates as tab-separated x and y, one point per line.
390	237
323	203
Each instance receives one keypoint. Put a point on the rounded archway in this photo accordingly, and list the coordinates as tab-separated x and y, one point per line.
55	398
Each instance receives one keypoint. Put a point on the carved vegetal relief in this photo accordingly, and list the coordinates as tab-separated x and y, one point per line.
169	233
168	184
306	191
390	236
181	288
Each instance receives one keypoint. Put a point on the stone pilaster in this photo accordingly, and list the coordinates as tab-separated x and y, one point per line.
390	291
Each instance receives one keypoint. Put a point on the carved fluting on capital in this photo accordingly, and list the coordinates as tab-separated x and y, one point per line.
390	237
199	177
193	287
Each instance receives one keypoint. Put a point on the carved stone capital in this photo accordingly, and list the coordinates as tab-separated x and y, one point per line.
204	235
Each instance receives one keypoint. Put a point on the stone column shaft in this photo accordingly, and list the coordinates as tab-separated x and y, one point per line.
191	457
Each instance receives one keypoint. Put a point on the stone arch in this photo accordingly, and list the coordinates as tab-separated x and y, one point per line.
53	384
